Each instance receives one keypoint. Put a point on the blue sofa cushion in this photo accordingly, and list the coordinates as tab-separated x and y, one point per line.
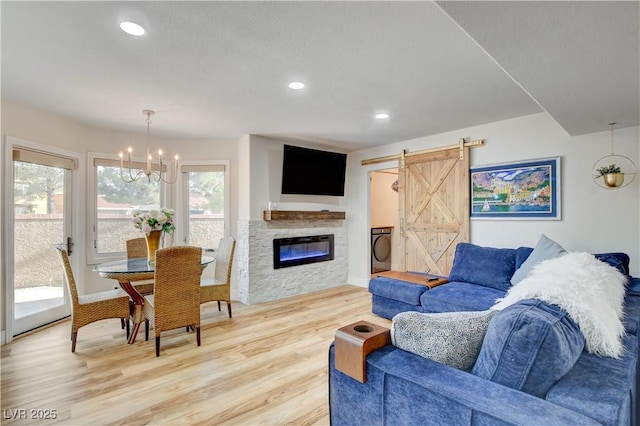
529	346
485	266
457	296
602	388
451	338
620	261
634	286
545	249
394	289
389	308
631	318
522	253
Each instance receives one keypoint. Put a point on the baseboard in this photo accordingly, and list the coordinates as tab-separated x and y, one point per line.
3	339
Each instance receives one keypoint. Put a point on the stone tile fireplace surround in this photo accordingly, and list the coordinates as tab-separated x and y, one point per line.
259	282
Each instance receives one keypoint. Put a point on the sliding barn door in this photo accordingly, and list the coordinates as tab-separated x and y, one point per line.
434	208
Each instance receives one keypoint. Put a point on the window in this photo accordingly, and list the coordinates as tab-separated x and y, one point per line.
204	209
112	201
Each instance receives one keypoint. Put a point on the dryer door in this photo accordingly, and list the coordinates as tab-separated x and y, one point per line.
381	253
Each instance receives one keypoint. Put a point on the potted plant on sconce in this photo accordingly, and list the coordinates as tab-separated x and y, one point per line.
613	177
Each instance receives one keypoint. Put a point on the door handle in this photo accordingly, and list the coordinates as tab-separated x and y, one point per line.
69	244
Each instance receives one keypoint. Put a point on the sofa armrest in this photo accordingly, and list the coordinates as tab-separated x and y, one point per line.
404	388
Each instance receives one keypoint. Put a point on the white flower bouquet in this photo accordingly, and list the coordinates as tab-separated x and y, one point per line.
154	220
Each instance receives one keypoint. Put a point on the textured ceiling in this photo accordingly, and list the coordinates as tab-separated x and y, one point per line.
220	69
579	60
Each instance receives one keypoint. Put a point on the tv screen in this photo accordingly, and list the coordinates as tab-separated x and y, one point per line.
313	172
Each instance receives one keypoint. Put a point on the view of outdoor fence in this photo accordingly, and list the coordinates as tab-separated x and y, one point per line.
36	235
35	239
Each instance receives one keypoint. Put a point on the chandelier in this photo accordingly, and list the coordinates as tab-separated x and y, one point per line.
150	171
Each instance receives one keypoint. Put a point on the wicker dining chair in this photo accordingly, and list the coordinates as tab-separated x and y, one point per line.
89	308
175	301
219	289
137	247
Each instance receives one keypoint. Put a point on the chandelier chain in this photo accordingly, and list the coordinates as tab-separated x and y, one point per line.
612	124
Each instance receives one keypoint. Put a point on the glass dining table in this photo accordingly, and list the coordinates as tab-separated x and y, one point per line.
137	269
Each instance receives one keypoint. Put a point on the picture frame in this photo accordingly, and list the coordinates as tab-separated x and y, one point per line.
517	190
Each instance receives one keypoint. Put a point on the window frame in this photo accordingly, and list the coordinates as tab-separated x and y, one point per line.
183	196
93	257
76	210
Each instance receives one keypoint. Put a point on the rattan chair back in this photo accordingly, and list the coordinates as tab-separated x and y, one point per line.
70	280
89	308
137	247
176	295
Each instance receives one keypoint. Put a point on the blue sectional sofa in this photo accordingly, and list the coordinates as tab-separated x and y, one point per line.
403	388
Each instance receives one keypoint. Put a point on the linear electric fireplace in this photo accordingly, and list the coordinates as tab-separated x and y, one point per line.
301	250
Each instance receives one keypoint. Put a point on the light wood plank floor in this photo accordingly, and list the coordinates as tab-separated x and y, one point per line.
266	366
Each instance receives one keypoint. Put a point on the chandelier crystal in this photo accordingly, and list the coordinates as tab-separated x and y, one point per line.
149	171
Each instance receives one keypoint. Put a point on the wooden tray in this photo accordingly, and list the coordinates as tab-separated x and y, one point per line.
412	278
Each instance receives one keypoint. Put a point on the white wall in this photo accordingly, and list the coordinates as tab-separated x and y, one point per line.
244	178
35	125
266	180
593	219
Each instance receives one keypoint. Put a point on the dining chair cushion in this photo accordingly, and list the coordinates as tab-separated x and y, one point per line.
211	281
84	299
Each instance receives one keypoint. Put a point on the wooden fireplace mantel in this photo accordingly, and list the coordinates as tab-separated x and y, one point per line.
302	215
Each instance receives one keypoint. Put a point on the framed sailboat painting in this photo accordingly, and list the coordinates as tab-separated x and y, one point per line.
521	190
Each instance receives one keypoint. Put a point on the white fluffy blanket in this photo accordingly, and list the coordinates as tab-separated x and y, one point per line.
590	291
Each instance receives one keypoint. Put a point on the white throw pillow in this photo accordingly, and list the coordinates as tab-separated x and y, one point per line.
545	249
451	338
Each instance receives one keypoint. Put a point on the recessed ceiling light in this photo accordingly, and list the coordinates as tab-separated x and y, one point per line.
296	85
382	116
132	28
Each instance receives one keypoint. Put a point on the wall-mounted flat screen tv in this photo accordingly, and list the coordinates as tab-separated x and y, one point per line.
308	171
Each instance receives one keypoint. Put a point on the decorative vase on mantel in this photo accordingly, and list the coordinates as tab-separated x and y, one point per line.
153	244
